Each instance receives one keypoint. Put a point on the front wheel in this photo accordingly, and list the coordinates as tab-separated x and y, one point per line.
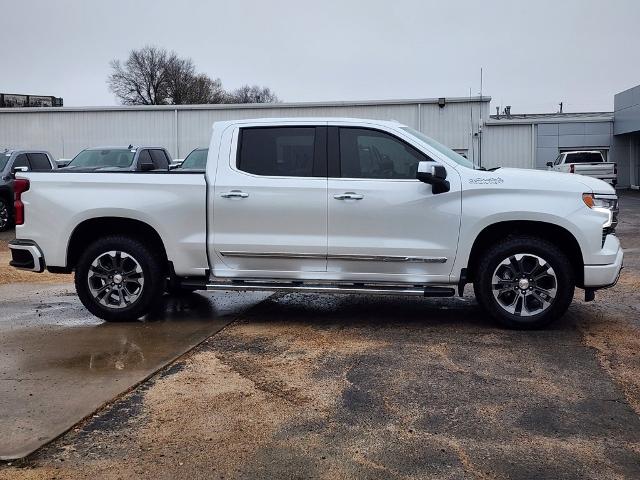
118	278
525	282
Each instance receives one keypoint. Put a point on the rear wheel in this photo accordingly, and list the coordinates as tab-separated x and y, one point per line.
118	279
525	282
5	215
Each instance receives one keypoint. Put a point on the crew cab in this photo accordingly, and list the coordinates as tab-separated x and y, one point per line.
324	205
590	163
129	159
10	161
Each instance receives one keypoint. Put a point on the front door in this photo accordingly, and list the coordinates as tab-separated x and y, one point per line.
270	203
384	225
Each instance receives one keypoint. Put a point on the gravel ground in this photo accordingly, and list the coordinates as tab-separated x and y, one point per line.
314	386
11	275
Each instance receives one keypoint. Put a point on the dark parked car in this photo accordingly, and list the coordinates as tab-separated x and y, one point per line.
115	159
27	160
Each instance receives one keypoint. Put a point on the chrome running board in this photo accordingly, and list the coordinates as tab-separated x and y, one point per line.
372	289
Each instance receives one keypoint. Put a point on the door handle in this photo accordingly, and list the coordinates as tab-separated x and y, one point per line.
349	196
234	194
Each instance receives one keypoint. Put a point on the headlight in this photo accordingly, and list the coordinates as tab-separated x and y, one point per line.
607	204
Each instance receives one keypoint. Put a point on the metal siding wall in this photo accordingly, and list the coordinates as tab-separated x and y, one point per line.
65	133
507	146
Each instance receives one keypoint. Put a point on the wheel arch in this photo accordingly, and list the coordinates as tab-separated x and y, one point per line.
95	228
559	236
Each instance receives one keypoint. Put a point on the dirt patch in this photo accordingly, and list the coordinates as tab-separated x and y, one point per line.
9	274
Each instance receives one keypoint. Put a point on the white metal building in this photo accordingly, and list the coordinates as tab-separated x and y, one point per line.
66	131
464	124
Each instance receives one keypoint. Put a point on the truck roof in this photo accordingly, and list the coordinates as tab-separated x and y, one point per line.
389	123
584	151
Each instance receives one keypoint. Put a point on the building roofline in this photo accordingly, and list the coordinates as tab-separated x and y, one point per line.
266	106
585	117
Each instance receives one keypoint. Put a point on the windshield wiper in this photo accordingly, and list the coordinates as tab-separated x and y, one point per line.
493	169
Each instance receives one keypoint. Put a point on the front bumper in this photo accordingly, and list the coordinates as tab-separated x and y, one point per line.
26	255
603	276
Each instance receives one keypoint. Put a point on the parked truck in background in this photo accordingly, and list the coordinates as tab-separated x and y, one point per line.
589	163
324	205
10	160
113	159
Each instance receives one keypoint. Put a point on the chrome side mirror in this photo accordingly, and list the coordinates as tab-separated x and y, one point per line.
435	175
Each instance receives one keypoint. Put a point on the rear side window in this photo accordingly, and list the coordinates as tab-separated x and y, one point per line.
39	161
160	160
373	154
22	161
281	151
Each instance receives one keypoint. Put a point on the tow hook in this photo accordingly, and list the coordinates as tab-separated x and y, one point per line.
589	294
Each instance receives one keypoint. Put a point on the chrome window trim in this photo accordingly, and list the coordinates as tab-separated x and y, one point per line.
348	257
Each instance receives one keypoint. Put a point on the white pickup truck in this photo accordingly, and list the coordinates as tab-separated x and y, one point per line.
590	163
323	205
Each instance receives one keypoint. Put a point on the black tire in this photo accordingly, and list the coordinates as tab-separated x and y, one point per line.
527	248
131	251
6	221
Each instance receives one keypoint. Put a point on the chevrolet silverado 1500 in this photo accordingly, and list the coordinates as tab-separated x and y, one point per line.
323	205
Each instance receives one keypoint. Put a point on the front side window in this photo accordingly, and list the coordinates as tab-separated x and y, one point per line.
39	161
559	160
279	151
373	154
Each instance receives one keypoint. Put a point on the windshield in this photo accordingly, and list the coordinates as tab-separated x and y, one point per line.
196	160
103	158
446	151
4	158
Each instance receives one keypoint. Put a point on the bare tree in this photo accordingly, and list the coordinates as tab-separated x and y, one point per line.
253	94
154	76
140	80
203	89
179	76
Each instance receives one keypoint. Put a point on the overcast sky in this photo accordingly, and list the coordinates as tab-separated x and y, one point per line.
534	53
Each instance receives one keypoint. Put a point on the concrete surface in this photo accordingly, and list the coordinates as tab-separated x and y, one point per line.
319	386
58	363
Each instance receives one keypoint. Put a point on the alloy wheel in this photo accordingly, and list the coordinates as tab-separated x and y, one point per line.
524	285
116	279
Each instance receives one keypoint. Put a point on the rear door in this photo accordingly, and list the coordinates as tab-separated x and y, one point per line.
270	202
384	225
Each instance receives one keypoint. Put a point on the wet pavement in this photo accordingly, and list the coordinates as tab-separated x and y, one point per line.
59	364
341	386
